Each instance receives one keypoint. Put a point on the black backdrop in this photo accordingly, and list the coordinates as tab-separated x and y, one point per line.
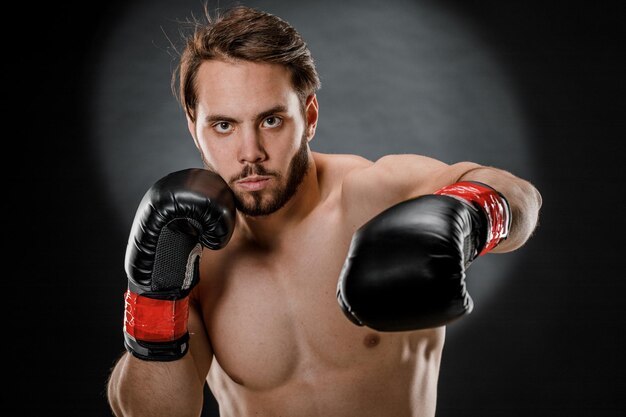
554	341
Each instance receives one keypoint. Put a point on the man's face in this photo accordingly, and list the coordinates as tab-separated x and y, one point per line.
251	130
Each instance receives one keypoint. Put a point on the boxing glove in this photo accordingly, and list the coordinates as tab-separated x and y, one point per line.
405	268
178	216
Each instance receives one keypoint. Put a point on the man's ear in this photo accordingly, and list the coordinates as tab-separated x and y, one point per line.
312	114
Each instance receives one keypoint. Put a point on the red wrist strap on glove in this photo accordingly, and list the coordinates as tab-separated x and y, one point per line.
153	320
494	204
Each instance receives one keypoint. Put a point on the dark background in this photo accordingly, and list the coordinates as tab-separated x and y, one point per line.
553	340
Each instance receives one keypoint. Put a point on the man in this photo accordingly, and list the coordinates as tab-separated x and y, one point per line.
297	283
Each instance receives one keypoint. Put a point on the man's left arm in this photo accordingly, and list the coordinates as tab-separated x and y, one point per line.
398	178
405	268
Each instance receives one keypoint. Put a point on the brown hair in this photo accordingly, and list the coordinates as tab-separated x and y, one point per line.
245	34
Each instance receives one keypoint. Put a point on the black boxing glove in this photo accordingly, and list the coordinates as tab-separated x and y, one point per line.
181	213
405	268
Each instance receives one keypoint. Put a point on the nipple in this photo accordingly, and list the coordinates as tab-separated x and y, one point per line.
371	340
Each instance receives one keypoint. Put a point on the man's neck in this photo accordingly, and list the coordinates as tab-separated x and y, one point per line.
268	230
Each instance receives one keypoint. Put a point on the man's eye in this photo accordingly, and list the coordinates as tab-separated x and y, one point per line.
272	122
223	127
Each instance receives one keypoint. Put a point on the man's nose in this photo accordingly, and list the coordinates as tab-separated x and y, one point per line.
251	149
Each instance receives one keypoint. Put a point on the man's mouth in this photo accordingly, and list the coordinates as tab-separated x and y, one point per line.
253	182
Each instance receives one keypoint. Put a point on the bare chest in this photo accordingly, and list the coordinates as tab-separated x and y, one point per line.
273	317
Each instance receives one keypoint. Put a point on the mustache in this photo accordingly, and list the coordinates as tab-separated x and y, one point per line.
254	169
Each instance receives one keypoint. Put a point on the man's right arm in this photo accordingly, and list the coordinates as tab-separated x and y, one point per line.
169	353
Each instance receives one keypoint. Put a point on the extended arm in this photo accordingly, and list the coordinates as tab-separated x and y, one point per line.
397	178
420	224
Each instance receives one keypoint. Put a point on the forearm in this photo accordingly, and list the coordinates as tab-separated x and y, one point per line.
151	388
524	200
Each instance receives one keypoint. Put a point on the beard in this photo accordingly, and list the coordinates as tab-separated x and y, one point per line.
265	202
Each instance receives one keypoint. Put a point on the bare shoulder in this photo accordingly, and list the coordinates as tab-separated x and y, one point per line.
332	169
390	177
368	190
350	169
340	163
365	188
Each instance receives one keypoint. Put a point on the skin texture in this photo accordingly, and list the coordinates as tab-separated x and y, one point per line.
266	330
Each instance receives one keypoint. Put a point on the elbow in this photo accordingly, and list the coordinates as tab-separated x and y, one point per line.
525	206
533	203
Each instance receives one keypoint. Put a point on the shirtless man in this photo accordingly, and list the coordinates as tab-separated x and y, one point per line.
335	275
